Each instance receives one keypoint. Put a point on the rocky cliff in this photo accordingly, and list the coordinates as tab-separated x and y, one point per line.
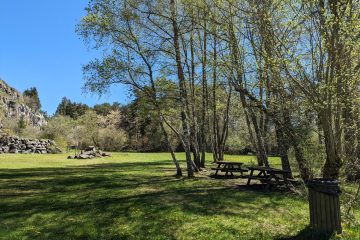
12	105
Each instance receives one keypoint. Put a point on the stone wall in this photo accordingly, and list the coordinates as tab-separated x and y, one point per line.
23	145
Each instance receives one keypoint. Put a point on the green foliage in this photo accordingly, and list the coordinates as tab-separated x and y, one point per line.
30	132
71	109
21	124
104	109
58	129
32	99
89	128
111	139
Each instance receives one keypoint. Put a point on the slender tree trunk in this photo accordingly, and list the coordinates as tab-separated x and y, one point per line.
225	129
194	128
182	87
173	156
259	140
283	148
204	99
215	124
152	95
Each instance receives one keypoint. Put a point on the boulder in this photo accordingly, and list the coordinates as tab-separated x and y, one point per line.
106	154
14	150
6	149
85	156
89	153
90	148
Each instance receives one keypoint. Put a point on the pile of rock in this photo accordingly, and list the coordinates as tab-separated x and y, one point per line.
89	153
13	144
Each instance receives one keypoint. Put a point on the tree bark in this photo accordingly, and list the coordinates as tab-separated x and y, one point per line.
194	127
283	148
333	162
182	87
204	98
171	150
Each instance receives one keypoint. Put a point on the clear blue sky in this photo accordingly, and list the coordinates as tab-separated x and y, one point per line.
39	47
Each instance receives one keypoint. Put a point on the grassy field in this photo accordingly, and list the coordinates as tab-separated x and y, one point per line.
136	196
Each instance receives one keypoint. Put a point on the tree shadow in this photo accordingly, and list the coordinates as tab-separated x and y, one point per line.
263	188
308	234
144	195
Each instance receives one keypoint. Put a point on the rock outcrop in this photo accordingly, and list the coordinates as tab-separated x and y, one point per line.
23	145
89	153
13	106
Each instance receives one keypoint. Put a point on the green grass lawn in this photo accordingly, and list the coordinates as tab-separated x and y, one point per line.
136	196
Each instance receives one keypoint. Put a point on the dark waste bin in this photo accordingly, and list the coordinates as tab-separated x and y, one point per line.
324	204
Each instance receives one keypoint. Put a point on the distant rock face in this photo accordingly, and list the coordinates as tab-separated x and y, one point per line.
12	103
22	145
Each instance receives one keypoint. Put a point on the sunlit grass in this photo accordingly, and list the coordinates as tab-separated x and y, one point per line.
136	196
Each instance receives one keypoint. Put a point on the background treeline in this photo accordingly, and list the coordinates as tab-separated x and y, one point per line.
112	127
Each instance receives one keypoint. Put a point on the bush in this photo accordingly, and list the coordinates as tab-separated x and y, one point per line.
30	132
111	139
58	129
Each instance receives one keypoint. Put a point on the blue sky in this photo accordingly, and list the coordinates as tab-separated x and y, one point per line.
39	47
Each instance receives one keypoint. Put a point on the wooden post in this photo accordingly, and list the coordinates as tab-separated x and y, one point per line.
324	205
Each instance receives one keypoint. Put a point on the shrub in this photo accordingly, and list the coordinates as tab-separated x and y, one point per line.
58	129
111	139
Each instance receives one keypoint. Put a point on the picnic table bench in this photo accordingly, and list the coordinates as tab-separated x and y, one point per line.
269	175
229	168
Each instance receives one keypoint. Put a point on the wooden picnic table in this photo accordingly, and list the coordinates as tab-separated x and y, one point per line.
229	167
267	174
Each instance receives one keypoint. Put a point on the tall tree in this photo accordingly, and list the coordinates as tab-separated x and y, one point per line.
32	99
133	57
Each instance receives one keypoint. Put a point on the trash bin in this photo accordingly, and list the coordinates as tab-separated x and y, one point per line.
324	205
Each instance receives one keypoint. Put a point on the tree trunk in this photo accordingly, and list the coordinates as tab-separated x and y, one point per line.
194	125
215	124
204	99
350	143
299	156
332	163
167	141
283	148
225	129
263	159
182	87
236	58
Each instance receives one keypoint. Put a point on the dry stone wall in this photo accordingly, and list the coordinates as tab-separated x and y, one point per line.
22	145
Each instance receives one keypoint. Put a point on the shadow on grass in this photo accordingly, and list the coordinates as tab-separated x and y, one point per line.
139	200
262	188
308	234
